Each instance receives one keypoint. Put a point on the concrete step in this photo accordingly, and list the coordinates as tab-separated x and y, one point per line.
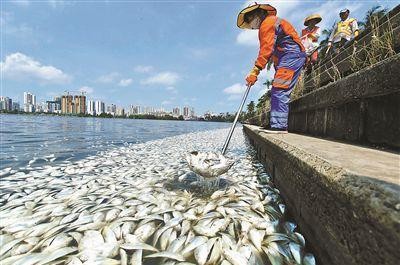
362	107
346	198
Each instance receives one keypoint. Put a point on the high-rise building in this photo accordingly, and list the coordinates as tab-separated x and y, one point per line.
67	104
29	102
112	109
99	107
73	104
91	107
176	111
16	106
41	107
80	104
192	114
149	110
54	106
134	110
5	103
186	111
120	111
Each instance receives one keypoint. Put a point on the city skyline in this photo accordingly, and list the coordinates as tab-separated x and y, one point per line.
145	52
79	104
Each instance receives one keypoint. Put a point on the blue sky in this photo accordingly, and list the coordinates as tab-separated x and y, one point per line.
150	53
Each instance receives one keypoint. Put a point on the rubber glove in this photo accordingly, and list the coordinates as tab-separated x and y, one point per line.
251	78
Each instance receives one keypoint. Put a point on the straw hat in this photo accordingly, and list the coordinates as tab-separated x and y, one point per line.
240	19
317	17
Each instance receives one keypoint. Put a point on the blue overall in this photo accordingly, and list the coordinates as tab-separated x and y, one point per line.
288	55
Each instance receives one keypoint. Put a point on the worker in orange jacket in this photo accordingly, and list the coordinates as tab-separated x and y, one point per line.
279	42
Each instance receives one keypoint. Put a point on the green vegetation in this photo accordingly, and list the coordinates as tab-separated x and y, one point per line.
374	14
250	110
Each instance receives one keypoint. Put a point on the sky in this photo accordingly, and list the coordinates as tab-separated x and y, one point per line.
148	53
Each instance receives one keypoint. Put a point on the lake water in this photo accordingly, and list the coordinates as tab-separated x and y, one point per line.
50	139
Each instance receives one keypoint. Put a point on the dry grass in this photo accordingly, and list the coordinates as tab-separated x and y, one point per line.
316	77
334	72
379	48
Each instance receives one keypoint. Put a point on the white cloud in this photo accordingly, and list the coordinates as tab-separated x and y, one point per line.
108	78
164	78
20	66
248	37
86	89
233	97
235	89
125	82
143	68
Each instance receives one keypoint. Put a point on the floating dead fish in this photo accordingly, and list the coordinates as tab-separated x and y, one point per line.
113	208
208	164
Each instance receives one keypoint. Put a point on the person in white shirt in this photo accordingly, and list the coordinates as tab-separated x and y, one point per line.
345	30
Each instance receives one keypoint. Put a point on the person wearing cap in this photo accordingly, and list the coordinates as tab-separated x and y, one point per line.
279	42
309	37
345	30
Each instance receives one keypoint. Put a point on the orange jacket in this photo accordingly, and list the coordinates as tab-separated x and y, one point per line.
266	35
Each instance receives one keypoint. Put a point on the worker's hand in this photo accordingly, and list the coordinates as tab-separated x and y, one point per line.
251	78
312	37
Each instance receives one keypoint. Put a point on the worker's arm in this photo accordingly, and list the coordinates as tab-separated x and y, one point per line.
266	35
354	27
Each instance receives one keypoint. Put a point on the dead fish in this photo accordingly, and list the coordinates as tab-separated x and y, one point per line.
168	255
234	257
136	258
138	246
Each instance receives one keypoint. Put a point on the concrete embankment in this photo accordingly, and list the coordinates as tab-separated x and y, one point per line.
362	108
344	197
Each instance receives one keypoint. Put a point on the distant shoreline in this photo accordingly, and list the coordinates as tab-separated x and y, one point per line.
109	116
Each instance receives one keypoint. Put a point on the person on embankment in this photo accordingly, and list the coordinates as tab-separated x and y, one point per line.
309	38
344	31
280	42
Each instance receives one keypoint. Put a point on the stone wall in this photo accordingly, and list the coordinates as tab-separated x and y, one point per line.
347	217
362	108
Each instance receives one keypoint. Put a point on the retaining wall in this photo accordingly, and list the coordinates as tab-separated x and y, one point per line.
345	198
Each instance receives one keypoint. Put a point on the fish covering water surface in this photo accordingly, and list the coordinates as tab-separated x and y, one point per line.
116	208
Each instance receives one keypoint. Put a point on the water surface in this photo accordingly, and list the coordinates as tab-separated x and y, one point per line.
35	140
